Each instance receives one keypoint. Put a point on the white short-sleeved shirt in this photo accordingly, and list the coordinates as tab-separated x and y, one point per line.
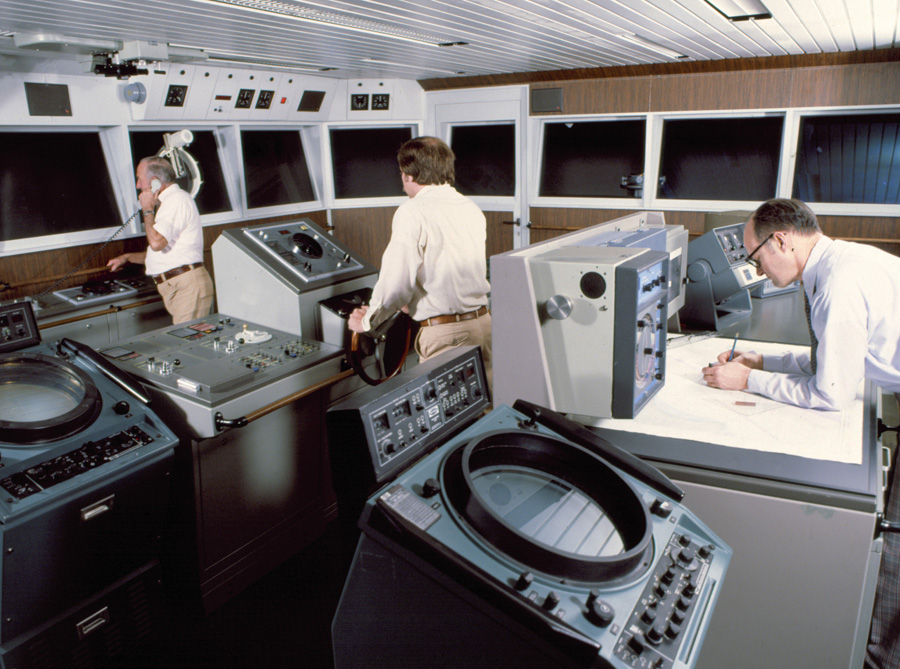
178	220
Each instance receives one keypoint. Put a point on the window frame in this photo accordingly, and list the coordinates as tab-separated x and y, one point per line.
112	146
332	202
307	139
655	135
790	162
494	201
537	136
222	136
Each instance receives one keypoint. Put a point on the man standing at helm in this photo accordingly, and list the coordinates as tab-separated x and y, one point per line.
435	264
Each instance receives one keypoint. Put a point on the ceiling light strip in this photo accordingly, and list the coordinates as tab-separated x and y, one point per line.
349	22
740	10
260	62
652	46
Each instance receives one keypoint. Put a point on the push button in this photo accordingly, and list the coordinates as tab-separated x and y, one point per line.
636	643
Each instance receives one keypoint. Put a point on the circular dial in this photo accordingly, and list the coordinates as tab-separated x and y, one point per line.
550	505
307	245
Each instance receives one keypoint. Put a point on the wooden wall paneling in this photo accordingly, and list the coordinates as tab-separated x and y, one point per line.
365	231
661	69
499	233
759	89
691	220
29	274
858	84
880	231
602	96
547	223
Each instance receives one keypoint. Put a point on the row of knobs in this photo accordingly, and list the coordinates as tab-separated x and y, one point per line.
599	612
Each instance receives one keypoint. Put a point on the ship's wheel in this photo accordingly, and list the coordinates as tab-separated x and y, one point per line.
388	344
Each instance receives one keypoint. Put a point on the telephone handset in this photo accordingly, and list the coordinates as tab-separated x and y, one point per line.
155	185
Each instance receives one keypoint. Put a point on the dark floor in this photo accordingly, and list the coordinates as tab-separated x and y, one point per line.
283	620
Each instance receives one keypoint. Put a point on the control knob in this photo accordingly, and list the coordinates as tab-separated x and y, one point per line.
599	612
431	487
655	634
524	581
551	601
559	307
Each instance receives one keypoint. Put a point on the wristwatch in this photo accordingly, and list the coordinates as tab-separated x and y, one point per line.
147	211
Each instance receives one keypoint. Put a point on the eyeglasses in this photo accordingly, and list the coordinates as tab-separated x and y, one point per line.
750	259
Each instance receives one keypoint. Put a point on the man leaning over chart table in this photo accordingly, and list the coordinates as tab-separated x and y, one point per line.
853	308
854	299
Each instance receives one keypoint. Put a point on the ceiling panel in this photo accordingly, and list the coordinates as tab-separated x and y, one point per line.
500	36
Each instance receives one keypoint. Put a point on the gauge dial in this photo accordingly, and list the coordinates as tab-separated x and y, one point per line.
176	96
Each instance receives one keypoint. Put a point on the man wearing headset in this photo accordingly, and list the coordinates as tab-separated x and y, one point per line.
174	255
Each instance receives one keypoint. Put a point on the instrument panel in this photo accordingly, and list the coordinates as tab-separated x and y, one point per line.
212	359
304	251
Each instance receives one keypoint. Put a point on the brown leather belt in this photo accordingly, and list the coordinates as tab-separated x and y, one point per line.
172	273
454	318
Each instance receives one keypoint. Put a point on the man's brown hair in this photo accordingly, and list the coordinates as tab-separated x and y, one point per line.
428	160
783	214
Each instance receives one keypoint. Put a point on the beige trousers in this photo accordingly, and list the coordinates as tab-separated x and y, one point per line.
188	296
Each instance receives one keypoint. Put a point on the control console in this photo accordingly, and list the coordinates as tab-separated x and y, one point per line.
674	593
216	357
89	456
304	251
390	425
18	327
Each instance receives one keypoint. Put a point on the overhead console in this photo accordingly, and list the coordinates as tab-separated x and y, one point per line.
204	92
216	93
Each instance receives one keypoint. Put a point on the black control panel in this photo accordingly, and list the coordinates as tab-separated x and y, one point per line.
90	456
18	327
379	431
398	420
657	624
731	239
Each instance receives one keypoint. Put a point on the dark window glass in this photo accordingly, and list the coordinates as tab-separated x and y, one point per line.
364	161
485	159
852	158
52	183
212	198
590	159
275	169
720	159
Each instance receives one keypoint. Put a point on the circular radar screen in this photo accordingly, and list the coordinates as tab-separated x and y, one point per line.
43	399
549	504
307	245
